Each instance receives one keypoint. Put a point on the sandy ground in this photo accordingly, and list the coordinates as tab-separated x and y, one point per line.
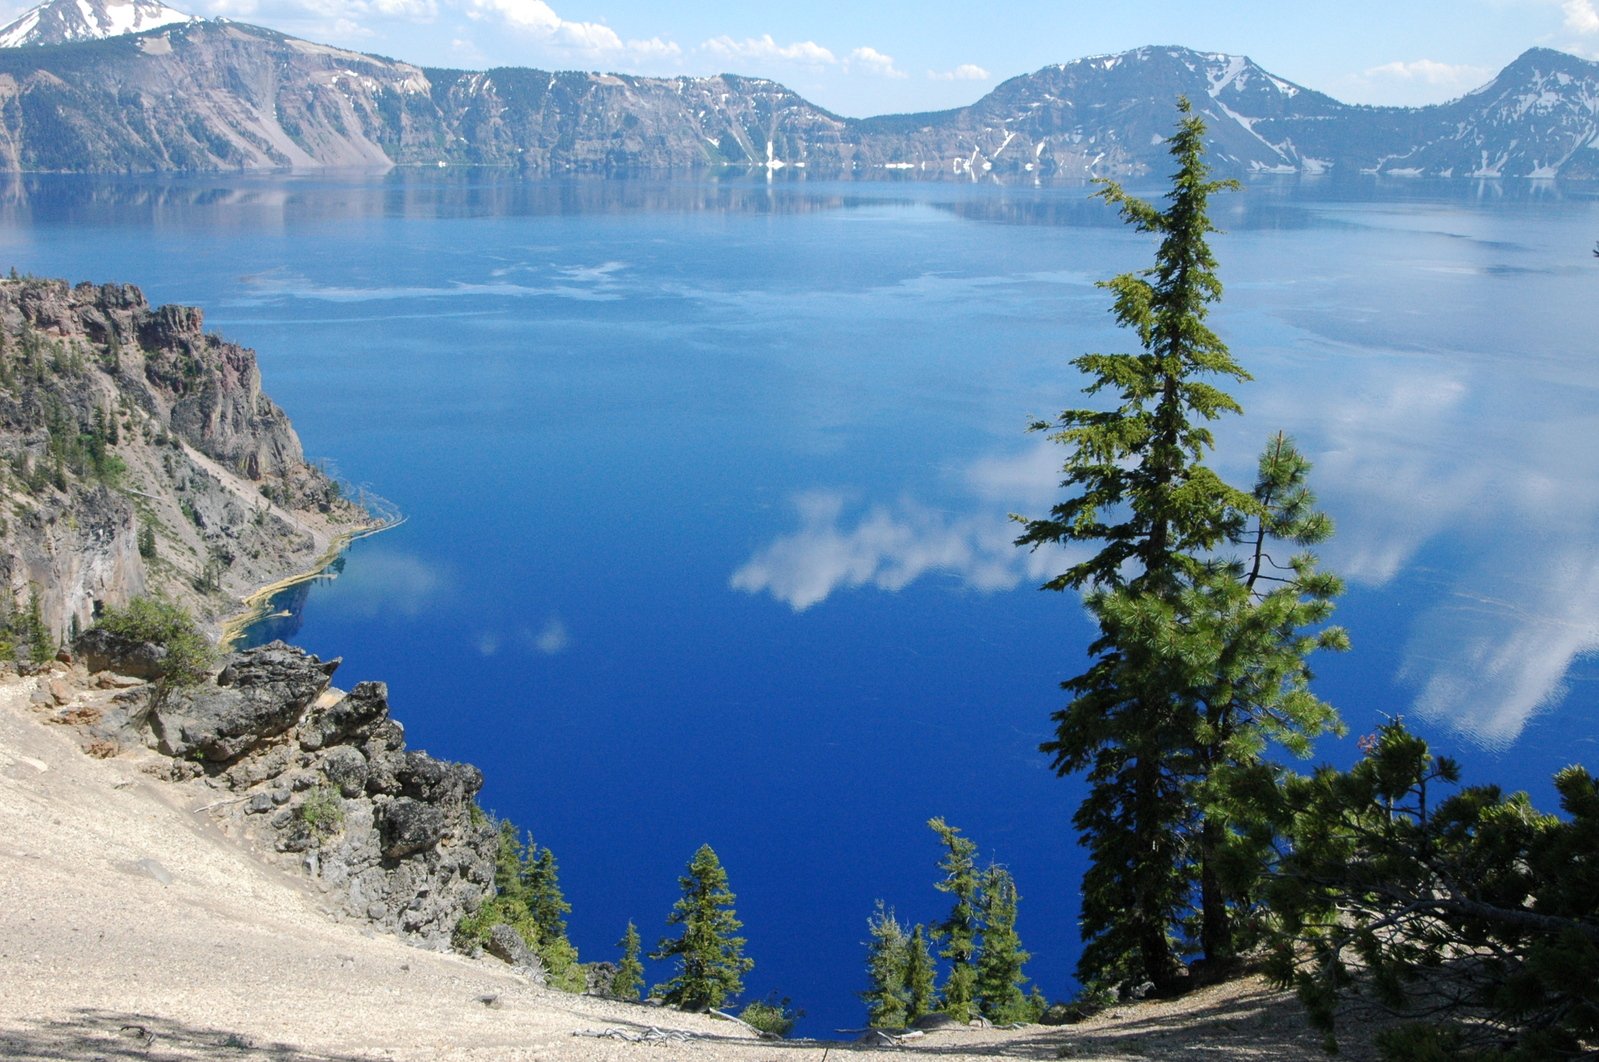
132	928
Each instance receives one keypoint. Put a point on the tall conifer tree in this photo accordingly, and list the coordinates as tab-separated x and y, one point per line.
999	963
1191	669
710	955
960	929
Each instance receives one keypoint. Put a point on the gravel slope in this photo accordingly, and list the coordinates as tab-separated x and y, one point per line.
131	927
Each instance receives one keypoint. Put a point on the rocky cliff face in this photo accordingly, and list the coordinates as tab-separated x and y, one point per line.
314	777
141	455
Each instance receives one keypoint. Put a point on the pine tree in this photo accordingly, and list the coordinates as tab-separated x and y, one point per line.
960	929
36	636
709	954
1259	614
1196	664
528	898
921	997
508	883
887	970
1470	912
629	978
541	894
999	963
541	880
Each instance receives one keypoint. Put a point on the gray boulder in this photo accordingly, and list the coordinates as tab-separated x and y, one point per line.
345	769
507	945
407	826
284	672
598	978
421	777
257	697
102	650
356	715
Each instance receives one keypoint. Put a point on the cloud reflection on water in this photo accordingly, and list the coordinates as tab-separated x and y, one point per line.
1413	464
891	546
1409	466
582	283
386	582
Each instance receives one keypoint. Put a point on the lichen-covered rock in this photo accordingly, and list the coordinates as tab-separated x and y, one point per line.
408	826
102	650
345	769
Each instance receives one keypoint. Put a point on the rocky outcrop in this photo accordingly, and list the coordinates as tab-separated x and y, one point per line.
322	780
143	456
256	699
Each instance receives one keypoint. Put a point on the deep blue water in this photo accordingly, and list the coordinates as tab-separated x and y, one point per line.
707	489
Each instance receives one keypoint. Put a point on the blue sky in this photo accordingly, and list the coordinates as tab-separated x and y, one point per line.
859	59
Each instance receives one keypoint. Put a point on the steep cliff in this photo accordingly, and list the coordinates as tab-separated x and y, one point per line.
140	455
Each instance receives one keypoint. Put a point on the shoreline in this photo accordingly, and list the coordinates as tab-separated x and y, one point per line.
253	606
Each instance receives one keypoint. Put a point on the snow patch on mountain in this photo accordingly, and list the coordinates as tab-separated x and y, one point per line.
65	21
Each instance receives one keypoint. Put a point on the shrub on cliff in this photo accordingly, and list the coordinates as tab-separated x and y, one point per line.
773	1016
529	900
158	634
1473	914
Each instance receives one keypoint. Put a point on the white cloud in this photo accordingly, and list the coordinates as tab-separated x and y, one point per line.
964	72
1581	16
1413	82
415	10
539	20
874	62
1430	72
345	29
340	14
765	49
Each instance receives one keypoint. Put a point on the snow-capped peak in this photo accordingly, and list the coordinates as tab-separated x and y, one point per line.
64	21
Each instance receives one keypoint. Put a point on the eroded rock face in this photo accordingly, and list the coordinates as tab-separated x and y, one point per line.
323	778
226	502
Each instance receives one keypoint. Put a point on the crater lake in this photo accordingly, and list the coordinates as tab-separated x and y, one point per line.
707	487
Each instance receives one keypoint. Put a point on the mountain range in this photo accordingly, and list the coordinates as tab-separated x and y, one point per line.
197	95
